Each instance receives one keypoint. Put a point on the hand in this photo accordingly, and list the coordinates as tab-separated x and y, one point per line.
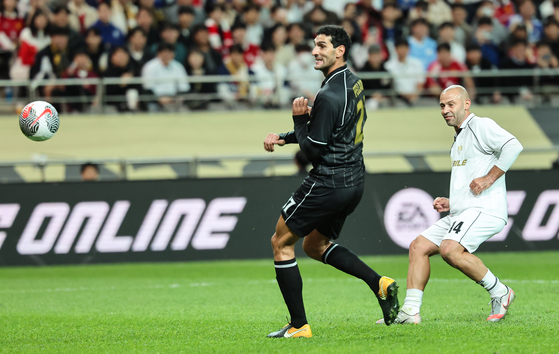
301	106
271	140
480	184
441	204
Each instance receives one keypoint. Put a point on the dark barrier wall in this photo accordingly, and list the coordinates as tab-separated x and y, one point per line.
182	220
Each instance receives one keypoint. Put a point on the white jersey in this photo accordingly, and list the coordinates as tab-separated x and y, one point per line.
476	149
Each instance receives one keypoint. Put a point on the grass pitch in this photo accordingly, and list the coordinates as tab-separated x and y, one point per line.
229	307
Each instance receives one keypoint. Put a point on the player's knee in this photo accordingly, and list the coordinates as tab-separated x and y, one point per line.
421	247
450	256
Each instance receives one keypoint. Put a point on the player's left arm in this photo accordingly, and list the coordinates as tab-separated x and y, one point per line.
503	143
313	136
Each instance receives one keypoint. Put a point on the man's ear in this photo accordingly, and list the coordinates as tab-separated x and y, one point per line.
340	50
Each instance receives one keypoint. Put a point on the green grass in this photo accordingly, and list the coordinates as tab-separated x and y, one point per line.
229	307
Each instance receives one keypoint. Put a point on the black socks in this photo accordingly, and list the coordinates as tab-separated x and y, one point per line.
291	286
343	259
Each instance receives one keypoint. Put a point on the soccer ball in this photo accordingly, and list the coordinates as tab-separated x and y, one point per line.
39	121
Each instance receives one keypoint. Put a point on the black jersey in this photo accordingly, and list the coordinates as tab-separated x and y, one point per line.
332	136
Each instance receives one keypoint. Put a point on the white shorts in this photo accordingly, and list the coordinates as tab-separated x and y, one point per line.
470	229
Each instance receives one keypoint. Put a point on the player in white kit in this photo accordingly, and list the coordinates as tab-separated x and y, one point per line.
481	154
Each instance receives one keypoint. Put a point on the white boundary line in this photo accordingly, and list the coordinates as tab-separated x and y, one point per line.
248	283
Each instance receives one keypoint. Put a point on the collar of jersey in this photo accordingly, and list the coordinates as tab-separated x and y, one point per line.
335	72
467	121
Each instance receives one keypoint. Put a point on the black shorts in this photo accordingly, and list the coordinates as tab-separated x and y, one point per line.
324	209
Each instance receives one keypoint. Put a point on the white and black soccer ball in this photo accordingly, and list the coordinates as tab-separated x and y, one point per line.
39	121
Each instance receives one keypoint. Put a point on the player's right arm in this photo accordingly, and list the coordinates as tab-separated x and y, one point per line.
441	204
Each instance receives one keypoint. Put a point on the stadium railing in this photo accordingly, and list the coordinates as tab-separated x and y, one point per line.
543	92
114	169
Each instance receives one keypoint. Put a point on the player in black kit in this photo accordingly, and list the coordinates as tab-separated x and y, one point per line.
331	136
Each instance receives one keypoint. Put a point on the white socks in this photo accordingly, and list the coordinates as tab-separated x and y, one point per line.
412	302
492	284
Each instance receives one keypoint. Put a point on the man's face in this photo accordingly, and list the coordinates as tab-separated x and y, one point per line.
138	40
419	30
552	32
446	34
90	174
104	13
269	57
166	56
453	107
527	10
185	20
93	40
252	16
324	53
237	59
144	19
473	56
444	58
519	52
60	41
402	51
239	35
459	15
60	19
375	59
170	35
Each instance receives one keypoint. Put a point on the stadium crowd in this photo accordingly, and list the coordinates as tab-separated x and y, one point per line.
266	44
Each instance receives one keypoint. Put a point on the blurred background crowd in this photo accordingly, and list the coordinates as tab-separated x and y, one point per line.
415	48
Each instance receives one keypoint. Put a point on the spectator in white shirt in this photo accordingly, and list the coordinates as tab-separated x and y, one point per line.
165	76
269	90
446	35
408	72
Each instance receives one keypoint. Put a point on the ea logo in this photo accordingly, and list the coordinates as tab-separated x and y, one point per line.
408	213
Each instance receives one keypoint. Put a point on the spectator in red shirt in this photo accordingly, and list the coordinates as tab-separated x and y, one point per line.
31	40
442	68
11	25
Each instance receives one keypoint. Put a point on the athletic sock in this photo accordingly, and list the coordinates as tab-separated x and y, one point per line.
412	302
493	285
291	286
343	259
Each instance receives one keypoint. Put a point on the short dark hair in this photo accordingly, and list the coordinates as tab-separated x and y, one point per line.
456	6
238	25
419	21
339	37
472	46
551	21
516	41
485	20
401	42
267	47
198	28
135	30
250	7
89	164
443	46
186	10
445	25
93	30
422	4
59	8
165	46
236	48
543	44
168	25
56	30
